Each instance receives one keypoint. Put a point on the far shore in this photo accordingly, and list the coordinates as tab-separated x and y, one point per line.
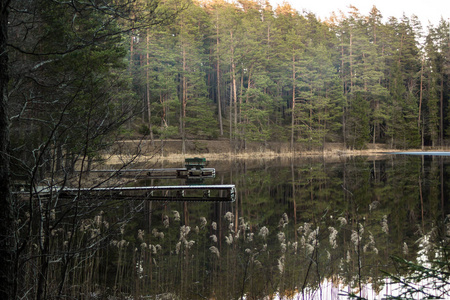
220	150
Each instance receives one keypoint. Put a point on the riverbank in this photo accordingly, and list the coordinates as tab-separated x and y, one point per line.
171	150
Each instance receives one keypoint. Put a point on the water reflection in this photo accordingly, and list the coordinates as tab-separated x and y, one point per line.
425	153
308	228
299	227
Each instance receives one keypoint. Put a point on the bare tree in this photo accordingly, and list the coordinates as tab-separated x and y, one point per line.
60	86
6	224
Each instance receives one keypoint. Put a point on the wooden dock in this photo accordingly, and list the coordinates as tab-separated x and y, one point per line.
194	172
167	173
190	193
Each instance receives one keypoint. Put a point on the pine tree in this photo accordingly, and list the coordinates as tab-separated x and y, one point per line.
358	122
162	79
290	46
195	104
434	73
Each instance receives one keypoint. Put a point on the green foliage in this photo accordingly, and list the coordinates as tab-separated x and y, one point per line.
247	60
144	130
167	132
359	122
200	121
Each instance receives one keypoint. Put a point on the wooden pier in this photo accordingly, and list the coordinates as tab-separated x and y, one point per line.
167	173
213	193
194	169
194	172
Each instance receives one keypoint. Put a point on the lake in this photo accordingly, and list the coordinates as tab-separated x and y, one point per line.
307	228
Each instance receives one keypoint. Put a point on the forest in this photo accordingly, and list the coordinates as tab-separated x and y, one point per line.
243	71
249	72
76	76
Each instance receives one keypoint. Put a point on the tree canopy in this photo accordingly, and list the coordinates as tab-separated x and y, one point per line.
262	74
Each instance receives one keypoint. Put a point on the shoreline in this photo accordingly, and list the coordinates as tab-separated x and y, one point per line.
144	151
115	159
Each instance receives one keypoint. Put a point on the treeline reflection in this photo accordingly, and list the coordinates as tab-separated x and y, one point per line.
296	227
296	224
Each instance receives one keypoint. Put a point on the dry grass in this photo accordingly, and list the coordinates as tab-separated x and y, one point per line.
222	150
177	157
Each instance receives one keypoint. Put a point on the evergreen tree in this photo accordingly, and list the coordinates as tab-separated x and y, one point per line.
434	78
358	122
162	79
290	46
403	81
193	94
256	82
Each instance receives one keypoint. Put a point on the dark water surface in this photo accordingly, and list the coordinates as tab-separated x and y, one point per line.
302	228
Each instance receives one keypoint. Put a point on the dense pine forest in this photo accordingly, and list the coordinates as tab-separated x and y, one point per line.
251	72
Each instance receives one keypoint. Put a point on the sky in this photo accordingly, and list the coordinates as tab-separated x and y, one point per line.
426	10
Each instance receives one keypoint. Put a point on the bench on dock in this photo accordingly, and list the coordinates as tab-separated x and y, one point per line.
195	163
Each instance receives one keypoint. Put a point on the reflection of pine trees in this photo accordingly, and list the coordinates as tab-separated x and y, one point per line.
350	220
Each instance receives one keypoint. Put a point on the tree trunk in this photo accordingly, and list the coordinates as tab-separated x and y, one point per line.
149	108
240	108
441	105
183	104
219	104
351	62
43	269
420	100
233	74
344	108
231	112
6	217
293	101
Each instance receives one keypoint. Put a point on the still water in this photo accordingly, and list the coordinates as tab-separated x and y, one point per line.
310	228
